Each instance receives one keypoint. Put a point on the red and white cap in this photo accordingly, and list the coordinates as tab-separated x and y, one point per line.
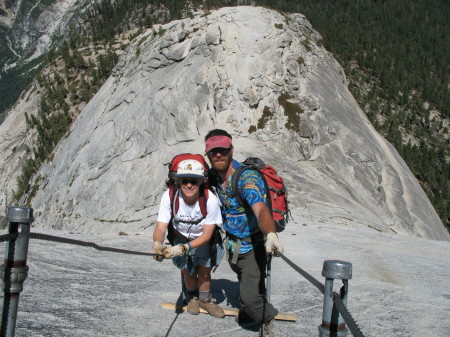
190	168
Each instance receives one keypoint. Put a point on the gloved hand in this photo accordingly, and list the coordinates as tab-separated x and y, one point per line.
173	251
158	248
273	244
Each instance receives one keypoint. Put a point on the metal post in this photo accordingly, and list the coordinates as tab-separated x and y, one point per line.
14	270
332	322
268	277
183	294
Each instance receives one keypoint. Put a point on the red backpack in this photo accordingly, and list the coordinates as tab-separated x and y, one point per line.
203	199
173	190
276	198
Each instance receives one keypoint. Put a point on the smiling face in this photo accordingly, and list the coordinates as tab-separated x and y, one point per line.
190	189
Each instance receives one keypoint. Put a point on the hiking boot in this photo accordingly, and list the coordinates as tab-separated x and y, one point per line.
267	329
212	308
193	306
192	298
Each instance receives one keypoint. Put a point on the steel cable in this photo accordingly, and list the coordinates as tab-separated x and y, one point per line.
47	237
8	237
311	279
353	327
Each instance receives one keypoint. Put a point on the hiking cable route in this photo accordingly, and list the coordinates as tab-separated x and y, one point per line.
351	324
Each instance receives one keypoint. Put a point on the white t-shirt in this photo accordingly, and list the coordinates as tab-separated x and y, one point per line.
188	213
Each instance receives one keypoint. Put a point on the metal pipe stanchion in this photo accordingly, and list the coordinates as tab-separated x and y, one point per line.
332	322
269	277
14	270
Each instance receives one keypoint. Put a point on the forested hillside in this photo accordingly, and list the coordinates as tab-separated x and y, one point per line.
395	55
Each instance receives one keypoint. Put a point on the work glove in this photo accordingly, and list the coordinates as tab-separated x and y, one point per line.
173	251
158	248
273	245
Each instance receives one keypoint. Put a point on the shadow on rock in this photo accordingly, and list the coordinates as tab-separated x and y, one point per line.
223	289
226	292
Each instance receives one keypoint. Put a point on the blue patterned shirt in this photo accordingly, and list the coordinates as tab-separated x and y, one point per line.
235	220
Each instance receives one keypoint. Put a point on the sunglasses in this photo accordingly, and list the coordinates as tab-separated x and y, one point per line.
190	181
221	150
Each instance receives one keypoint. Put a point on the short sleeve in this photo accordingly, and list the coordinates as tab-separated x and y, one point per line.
214	215
165	212
252	187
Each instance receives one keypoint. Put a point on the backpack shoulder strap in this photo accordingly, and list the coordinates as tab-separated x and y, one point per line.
235	185
174	201
203	200
174	205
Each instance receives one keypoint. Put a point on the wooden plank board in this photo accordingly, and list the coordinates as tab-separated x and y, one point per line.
282	316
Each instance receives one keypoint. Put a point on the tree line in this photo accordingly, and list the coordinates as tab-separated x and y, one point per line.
403	47
76	83
394	53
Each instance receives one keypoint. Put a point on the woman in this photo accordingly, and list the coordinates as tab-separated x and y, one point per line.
192	234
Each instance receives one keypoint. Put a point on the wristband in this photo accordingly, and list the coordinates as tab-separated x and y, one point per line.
190	247
185	247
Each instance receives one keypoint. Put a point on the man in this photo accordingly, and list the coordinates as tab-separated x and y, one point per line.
193	232
247	229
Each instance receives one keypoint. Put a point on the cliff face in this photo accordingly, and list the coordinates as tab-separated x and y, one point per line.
30	27
263	77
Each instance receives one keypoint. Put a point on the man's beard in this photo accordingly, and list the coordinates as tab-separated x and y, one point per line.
223	163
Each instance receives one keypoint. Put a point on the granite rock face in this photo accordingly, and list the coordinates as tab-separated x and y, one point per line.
30	29
265	78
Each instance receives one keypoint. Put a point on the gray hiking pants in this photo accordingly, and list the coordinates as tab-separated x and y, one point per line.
251	270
